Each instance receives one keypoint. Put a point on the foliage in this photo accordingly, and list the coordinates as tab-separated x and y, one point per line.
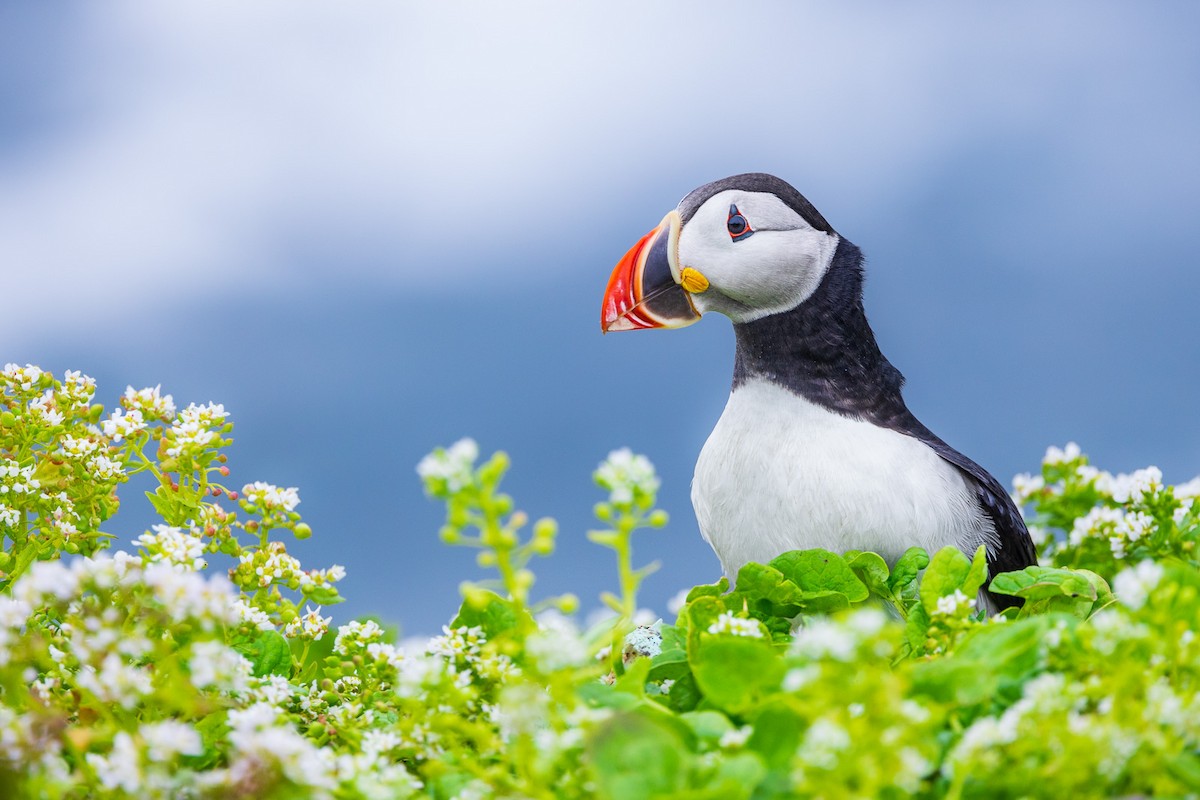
817	674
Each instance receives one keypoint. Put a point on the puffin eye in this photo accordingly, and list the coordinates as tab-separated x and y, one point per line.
737	225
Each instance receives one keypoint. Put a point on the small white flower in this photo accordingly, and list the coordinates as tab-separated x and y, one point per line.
1056	456
122	425
1133	585
269	496
309	625
454	465
150	402
170	738
627	476
736	626
735	738
1025	486
952	603
824	638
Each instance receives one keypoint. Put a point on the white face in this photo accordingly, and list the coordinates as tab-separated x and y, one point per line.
774	269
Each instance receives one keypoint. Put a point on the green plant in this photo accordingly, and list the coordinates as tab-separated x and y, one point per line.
818	674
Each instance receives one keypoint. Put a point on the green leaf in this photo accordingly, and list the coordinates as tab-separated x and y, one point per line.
267	651
871	569
633	756
778	729
990	664
907	568
947	572
709	590
977	574
489	611
668	664
767	590
709	726
735	673
819	570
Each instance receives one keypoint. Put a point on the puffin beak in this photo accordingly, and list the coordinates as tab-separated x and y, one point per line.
644	290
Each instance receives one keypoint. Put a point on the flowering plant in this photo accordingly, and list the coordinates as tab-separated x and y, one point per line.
817	674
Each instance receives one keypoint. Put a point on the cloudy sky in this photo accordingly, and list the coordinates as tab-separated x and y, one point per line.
372	228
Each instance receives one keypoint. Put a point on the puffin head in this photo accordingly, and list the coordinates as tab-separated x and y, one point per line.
747	246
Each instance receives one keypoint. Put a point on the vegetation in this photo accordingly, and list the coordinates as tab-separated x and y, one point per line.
818	674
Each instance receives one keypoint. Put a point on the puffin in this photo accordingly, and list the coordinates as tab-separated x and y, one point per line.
816	447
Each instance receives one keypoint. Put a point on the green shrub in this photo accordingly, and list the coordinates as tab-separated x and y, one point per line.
819	674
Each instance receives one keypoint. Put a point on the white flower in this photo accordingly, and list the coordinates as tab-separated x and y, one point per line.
173	546
121	768
1189	490
1132	488
9	517
309	625
677	601
1026	486
103	468
170	738
556	644
1101	521
1133	585
150	402
825	638
115	681
269	496
952	603
356	635
212	664
736	626
1056	456
453	465
823	743
626	475
121	425
735	738
252	615
22	378
44	409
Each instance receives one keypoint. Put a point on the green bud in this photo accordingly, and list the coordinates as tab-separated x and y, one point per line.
568	604
524	578
658	519
287	614
542	545
5	560
603	512
504	504
485	559
7	420
302	531
545	528
72	548
449	534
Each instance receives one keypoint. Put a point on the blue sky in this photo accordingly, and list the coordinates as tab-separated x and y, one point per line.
370	229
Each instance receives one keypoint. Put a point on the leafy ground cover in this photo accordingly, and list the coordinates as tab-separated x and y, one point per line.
819	674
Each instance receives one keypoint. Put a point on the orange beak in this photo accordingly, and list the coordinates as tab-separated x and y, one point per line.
644	290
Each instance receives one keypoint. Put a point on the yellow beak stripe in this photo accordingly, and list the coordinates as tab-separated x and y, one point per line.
693	280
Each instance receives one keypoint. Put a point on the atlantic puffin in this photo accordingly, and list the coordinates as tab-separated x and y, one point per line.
815	447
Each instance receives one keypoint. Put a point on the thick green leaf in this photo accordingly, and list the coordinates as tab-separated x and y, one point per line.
871	569
709	726
977	574
907	567
947	572
489	611
993	661
735	673
1036	583
668	664
635	756
267	651
821	571
761	582
709	589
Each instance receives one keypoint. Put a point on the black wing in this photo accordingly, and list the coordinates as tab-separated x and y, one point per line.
1016	550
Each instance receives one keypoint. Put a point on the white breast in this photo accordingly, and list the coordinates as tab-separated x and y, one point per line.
779	473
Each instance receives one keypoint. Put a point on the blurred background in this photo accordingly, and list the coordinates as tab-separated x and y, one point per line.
370	229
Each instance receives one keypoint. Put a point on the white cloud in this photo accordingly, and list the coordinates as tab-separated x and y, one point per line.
212	142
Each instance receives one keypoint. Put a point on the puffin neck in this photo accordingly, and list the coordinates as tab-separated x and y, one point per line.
824	349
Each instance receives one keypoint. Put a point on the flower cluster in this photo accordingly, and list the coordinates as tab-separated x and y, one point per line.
146	676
